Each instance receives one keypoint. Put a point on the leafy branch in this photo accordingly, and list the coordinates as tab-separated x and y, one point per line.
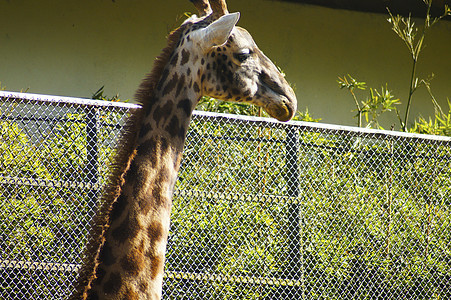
351	84
406	29
375	105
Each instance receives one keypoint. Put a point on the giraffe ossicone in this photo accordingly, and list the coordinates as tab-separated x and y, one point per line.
207	55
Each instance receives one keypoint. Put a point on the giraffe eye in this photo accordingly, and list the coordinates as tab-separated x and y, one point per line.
242	55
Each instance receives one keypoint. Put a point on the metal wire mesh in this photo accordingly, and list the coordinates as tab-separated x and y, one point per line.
262	210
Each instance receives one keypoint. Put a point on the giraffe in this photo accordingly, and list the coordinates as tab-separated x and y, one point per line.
207	55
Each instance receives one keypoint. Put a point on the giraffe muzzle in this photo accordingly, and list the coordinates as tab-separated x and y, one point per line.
281	100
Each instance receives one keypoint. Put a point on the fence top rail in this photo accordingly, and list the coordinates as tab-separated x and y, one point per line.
379	133
309	126
58	100
330	128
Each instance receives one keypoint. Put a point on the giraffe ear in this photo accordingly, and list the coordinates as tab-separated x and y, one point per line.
217	32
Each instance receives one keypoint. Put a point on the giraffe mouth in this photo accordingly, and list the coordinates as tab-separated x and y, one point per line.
281	105
281	102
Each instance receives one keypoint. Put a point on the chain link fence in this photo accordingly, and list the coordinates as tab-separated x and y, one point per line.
262	209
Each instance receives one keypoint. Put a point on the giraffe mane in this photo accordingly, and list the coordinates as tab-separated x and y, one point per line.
124	155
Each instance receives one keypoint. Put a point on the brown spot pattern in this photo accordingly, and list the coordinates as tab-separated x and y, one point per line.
92	295
113	284
155	230
164	145
185	57
144	130
148	104
133	263
173	127
163	112
156	195
182	133
185	105
180	85
196	87
127	230
147	147
100	274
144	204
174	59
171	84
118	207
106	255
156	265
163	78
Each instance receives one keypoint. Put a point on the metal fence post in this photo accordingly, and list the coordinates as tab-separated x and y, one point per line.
295	268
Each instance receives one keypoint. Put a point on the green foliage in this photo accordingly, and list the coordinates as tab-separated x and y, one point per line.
407	31
368	215
99	95
374	214
439	125
213	105
3	88
380	102
20	160
222	219
305	116
351	84
45	197
377	103
39	216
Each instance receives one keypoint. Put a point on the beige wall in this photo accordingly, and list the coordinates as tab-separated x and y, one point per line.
74	47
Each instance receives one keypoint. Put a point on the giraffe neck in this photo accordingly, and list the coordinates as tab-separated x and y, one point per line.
131	260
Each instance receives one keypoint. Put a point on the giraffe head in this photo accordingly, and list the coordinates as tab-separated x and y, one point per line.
232	67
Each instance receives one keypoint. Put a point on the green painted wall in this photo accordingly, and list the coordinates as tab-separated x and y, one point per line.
73	47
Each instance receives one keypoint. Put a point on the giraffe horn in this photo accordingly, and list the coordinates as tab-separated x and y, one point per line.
219	7
202	6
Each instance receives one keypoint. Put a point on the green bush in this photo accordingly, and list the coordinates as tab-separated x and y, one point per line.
45	198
